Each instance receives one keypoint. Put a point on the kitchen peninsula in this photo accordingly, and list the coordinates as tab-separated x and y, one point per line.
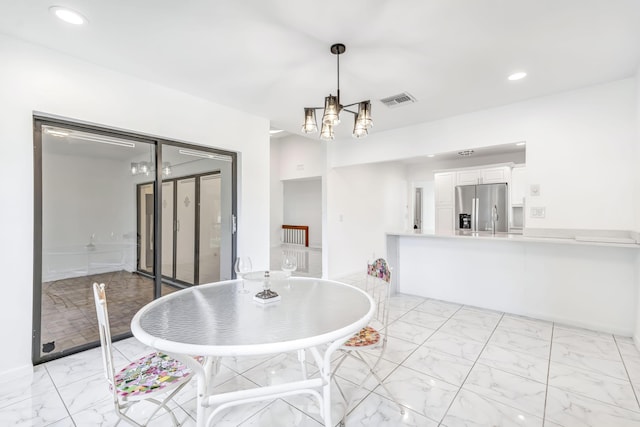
572	279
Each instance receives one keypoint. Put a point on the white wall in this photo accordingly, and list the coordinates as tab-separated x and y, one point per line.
37	79
276	189
76	191
303	206
301	157
364	202
83	197
578	146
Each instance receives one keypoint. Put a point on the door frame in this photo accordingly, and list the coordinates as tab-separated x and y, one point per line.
43	119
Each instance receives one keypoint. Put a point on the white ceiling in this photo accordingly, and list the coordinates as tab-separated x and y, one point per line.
271	57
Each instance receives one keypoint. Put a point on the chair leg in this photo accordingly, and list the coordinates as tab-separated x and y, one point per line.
372	373
161	404
346	402
334	370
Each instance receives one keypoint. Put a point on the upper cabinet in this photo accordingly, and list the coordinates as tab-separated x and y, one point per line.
496	175
468	177
492	175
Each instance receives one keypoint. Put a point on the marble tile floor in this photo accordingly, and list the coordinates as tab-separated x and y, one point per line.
448	365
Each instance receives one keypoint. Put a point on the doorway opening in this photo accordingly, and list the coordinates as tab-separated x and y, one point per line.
301	232
417	209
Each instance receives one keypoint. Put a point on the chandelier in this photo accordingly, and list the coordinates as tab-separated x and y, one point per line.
333	108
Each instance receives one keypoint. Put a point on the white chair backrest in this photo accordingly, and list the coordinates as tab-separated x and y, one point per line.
100	298
378	285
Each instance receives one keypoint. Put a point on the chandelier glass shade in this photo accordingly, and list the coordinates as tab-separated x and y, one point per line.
147	168
333	108
310	124
331	113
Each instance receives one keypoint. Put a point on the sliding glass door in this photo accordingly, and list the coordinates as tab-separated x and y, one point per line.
210	224
143	215
197	216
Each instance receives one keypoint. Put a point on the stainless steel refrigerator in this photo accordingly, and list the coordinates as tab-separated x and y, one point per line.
481	207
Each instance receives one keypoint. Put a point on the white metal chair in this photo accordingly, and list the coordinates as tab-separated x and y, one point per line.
374	335
143	379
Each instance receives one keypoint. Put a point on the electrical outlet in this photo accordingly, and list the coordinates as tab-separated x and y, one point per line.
537	212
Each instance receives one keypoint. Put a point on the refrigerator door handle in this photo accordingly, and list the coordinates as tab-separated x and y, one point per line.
474	215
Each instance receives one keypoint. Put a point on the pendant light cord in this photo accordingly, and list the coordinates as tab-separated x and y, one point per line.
338	59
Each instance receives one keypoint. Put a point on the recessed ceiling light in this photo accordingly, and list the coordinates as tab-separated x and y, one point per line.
521	143
517	76
275	131
68	15
430	155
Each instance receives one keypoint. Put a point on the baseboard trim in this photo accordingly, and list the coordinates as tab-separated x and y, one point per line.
13	374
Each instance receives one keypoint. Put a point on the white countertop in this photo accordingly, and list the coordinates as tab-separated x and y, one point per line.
619	242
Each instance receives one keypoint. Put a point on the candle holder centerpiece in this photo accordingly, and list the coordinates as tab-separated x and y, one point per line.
267	295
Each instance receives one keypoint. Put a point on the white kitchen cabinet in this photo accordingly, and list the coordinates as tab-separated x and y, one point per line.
518	185
444	187
493	175
496	175
517	197
468	177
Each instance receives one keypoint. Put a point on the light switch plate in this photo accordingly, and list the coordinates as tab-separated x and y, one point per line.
537	212
534	189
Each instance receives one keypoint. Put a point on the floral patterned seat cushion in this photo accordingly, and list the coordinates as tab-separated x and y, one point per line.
366	337
150	373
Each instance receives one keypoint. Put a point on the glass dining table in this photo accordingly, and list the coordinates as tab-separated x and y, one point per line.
216	320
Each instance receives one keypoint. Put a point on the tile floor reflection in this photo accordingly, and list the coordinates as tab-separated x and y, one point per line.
309	259
448	365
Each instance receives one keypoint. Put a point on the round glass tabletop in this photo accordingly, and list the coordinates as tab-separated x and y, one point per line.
215	319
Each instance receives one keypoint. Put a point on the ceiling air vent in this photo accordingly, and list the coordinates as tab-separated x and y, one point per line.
397	100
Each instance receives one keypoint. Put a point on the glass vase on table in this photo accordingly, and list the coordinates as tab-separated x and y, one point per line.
242	266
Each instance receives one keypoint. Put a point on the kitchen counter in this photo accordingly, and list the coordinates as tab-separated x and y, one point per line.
580	279
564	237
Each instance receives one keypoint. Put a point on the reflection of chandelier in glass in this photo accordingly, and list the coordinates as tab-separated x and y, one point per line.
333	108
146	168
